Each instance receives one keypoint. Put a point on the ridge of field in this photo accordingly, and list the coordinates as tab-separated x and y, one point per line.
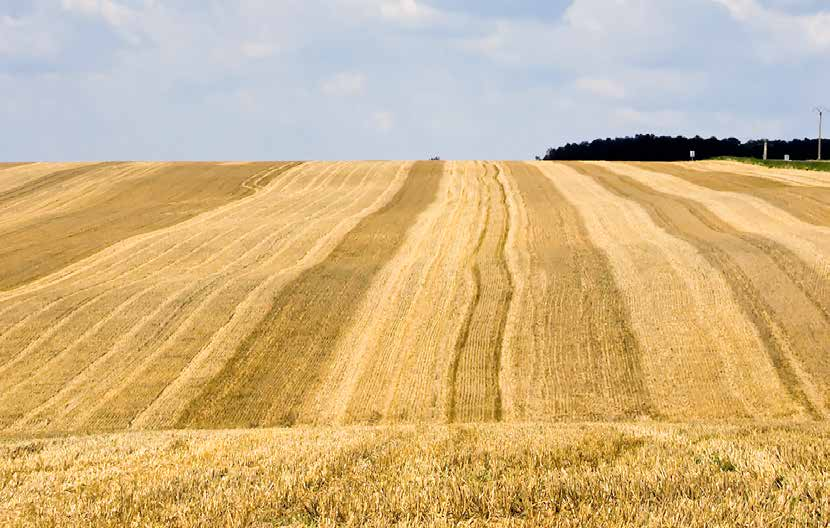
585	475
208	295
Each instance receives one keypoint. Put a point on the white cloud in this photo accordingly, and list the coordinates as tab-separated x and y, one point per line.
20	38
407	11
114	13
119	17
383	121
344	84
656	120
781	35
606	88
403	13
258	50
591	34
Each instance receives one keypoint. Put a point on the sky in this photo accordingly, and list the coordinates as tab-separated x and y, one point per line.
399	79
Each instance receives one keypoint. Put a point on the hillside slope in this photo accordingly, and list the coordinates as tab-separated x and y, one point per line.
206	295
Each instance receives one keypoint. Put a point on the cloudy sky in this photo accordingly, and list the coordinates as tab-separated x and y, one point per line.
367	79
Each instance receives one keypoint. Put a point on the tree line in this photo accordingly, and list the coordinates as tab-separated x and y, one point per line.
649	147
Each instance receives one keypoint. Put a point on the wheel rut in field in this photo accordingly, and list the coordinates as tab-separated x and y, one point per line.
574	353
279	365
474	392
763	278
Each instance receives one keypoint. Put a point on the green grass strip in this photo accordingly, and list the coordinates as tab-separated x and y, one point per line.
780	164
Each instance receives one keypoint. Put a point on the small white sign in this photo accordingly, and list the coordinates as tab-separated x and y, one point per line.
786	157
692	154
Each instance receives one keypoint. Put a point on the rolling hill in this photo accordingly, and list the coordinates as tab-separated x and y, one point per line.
392	311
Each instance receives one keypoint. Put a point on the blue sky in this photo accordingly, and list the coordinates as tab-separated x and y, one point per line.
368	79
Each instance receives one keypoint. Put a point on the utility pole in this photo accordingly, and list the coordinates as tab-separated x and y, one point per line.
820	110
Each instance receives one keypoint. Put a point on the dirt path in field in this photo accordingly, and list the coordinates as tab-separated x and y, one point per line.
793	328
573	353
278	366
808	203
694	337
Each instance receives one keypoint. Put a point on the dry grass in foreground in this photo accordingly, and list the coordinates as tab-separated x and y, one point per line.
501	475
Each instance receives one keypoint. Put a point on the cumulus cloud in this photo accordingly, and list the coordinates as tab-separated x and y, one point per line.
601	87
383	121
344	84
119	17
654	120
590	33
258	50
408	11
20	38
780	34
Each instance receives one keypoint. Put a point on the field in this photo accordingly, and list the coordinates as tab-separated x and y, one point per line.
494	342
595	475
823	165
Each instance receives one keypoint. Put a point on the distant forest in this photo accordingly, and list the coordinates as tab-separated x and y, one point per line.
648	147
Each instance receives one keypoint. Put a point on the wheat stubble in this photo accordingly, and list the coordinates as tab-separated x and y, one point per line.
260	243
34	247
278	366
686	320
805	246
474	392
774	304
390	364
805	202
573	354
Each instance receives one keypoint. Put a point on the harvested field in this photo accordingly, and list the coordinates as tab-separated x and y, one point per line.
572	353
389	312
591	475
805	197
207	295
60	217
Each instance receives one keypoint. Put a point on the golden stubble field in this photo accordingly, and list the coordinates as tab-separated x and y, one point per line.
494	342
